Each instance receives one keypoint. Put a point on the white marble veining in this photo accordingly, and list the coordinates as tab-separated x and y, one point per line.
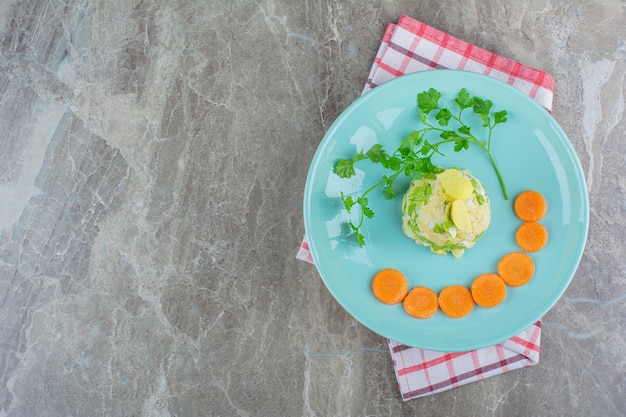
153	162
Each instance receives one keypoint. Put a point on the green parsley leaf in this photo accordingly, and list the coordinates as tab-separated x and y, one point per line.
377	153
360	239
482	106
392	163
465	130
463	100
368	212
499	117
344	168
348	202
426	167
388	191
405	148
426	148
415	138
362	201
450	135
409	169
428	101
460	144
443	116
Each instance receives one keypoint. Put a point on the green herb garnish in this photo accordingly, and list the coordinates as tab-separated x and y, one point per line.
413	158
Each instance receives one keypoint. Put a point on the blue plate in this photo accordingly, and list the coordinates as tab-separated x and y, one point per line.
532	152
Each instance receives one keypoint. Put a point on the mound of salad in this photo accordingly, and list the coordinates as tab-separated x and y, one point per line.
447	212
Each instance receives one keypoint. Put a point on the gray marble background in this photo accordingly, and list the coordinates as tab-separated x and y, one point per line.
152	166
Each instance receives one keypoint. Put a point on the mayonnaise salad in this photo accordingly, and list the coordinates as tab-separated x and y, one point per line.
446	213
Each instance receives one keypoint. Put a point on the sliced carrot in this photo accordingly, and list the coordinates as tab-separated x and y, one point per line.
531	236
456	301
488	290
530	206
390	286
421	302
516	268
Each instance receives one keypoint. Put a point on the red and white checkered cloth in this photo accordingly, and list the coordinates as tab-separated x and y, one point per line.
412	46
422	372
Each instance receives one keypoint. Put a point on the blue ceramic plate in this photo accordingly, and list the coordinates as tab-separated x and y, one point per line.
532	152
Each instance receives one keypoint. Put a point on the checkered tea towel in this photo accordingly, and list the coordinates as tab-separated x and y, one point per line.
412	46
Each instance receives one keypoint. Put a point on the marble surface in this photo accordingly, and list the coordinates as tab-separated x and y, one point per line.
153	163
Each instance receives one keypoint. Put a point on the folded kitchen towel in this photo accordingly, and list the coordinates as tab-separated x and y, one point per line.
412	46
422	372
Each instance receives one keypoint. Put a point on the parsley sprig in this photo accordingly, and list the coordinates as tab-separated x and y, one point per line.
413	157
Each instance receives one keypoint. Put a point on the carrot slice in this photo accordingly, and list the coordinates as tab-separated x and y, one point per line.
531	236
488	290
530	206
421	302
390	286
516	268
456	301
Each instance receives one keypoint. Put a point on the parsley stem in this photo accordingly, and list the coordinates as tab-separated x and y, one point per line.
495	167
372	188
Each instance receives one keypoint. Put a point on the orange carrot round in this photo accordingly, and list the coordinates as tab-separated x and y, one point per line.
531	236
530	206
421	302
516	268
456	301
488	290
390	286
